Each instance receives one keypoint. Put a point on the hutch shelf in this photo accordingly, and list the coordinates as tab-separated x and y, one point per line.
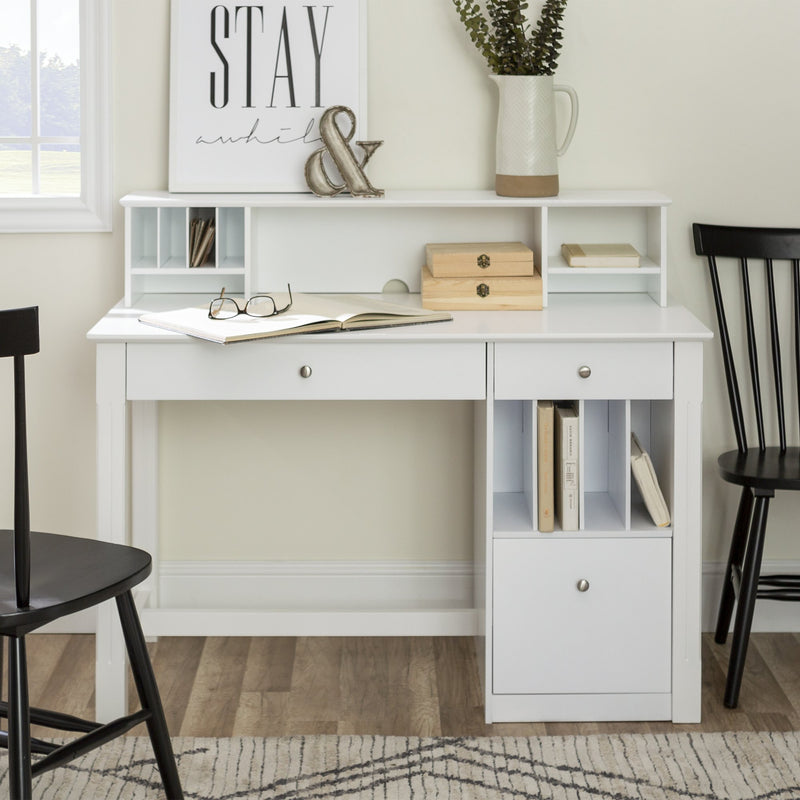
347	244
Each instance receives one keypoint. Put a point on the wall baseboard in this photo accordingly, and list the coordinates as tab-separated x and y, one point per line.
346	586
308	585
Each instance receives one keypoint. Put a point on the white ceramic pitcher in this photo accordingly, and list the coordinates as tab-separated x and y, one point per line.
527	152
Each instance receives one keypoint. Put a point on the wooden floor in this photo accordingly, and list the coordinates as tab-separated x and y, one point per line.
391	686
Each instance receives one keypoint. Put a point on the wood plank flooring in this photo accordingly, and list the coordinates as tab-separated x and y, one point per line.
393	686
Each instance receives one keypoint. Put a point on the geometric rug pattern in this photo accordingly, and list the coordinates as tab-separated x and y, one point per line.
698	766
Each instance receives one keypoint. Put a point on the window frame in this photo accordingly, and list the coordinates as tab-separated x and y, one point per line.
92	211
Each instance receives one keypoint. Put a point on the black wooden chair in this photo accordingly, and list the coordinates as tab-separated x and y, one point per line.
46	576
761	470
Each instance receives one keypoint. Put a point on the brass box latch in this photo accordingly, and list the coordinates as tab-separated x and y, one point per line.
484	261
482	290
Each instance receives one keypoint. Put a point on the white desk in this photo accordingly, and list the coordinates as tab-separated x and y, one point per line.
647	370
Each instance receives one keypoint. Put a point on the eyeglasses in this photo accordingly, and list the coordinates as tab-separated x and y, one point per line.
260	305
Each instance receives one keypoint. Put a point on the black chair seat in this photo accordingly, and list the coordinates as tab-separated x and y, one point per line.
71	574
44	577
769	469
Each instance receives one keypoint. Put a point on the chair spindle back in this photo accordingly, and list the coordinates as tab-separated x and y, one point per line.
741	245
19	336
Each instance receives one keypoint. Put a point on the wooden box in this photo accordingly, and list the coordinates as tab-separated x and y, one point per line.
467	293
479	259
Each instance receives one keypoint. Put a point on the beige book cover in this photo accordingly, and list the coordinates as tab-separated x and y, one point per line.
600	255
646	479
545	463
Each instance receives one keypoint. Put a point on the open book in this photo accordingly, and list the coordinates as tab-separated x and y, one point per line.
309	313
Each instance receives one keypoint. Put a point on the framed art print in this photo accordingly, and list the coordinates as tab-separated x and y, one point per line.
249	83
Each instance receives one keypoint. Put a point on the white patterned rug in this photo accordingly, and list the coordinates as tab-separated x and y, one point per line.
710	766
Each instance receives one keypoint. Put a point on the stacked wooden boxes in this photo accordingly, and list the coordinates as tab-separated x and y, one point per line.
469	276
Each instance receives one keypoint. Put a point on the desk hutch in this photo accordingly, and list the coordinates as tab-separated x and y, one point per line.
628	647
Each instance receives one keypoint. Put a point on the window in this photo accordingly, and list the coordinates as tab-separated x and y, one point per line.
54	116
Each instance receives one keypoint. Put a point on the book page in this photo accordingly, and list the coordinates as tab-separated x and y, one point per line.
196	322
346	307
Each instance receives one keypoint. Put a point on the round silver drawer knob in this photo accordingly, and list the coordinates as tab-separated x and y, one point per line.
584	371
305	371
583	585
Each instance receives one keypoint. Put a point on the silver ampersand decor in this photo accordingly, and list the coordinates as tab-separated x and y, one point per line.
350	168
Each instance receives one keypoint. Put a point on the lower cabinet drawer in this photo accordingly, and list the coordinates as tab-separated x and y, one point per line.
549	637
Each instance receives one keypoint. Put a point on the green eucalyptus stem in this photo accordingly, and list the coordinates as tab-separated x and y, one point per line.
506	40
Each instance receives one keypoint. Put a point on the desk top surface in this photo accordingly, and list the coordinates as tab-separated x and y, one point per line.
574	317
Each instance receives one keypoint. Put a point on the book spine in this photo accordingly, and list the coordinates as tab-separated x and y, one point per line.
567	490
545	464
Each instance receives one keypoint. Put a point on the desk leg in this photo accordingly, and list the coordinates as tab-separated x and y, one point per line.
112	521
687	532
144	489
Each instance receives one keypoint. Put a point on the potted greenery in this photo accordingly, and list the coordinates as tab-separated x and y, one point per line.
522	59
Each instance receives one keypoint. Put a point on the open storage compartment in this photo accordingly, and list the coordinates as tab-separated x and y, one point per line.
643	226
159	253
610	503
515	468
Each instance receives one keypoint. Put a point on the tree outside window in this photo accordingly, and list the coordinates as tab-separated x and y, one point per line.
55	116
40	98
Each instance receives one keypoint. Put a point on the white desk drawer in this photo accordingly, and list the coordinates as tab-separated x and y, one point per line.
616	370
335	371
552	638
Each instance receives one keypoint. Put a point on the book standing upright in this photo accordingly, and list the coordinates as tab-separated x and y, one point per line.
566	466
545	461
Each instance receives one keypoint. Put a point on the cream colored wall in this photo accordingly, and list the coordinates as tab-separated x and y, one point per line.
694	99
317	480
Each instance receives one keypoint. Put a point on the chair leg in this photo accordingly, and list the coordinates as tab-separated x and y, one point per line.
747	600
20	784
149	697
735	556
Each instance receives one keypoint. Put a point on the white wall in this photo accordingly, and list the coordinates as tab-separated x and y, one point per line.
696	99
